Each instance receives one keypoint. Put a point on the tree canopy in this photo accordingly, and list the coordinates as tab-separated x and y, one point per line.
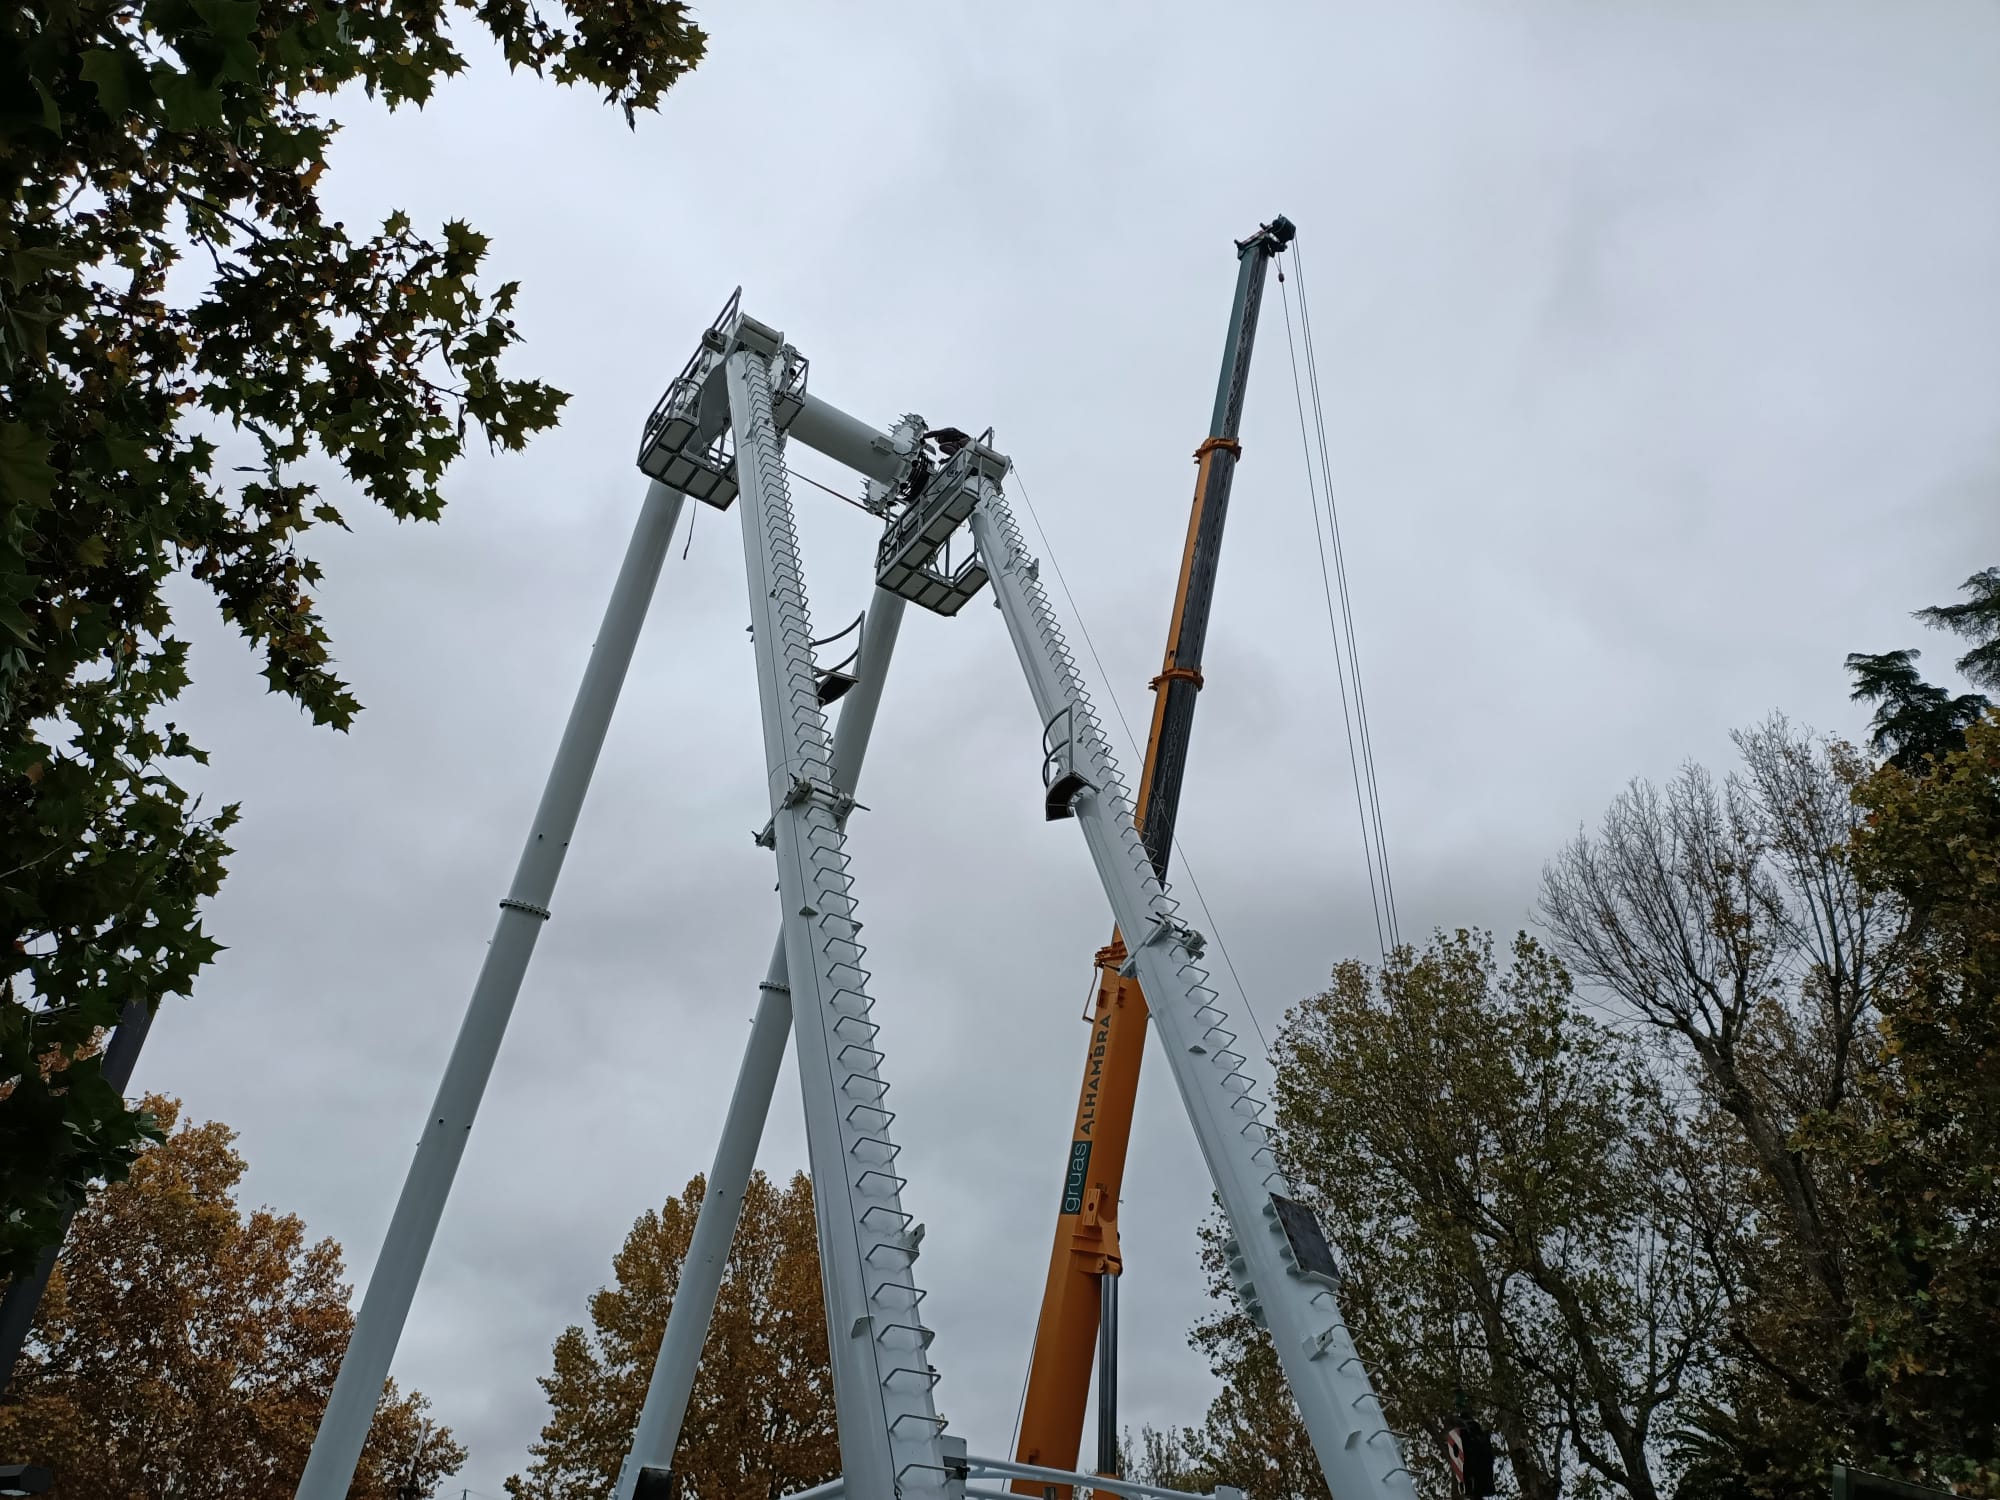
1923	1147
170	292
1915	719
760	1421
185	1348
1698	1194
1485	1155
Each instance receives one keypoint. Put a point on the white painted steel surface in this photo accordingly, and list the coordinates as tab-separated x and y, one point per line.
665	1409
378	1327
849	440
889	1428
1361	1457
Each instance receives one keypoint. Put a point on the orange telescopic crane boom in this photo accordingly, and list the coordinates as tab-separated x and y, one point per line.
1080	1303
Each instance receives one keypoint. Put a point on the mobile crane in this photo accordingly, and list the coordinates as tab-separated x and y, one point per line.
1080	1301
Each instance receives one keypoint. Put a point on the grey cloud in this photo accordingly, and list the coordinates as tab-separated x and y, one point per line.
1659	350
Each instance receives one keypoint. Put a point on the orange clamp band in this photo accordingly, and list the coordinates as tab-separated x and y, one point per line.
1178	674
1218	442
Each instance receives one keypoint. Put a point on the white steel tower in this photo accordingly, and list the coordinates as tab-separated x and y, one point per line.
720	432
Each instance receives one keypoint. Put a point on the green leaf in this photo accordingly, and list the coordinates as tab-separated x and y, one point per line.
15	623
107	71
189	106
130	454
51	116
30	263
228	20
25	475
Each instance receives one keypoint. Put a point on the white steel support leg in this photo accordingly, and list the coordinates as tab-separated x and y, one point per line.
659	1429
1361	1458
889	1440
379	1325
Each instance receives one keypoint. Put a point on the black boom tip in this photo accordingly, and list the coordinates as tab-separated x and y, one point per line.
1270	238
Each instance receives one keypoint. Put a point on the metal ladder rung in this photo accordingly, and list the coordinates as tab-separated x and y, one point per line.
897	1183
890	1245
847	1083
889	1148
915	1294
922	1339
927	1377
842	1026
903	1220
875	1056
888	1115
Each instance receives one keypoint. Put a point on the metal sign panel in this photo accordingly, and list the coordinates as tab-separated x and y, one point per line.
1076	1177
1308	1241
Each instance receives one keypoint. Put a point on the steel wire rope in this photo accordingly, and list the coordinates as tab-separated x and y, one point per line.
1021	1405
1346	601
1132	749
1347	607
1333	627
844	499
693	510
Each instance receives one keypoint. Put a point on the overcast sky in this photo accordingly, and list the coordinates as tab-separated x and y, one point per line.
1660	346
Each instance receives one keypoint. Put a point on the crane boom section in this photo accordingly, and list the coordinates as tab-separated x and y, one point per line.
1187	632
1086	1246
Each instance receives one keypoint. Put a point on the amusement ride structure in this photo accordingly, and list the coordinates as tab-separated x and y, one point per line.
718	436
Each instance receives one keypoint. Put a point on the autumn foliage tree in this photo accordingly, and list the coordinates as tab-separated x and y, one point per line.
1725	920
761	1418
1484	1155
183	332
1922	1147
1701	1196
187	1349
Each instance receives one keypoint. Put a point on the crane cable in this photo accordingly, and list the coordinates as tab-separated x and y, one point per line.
1133	749
1346	654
